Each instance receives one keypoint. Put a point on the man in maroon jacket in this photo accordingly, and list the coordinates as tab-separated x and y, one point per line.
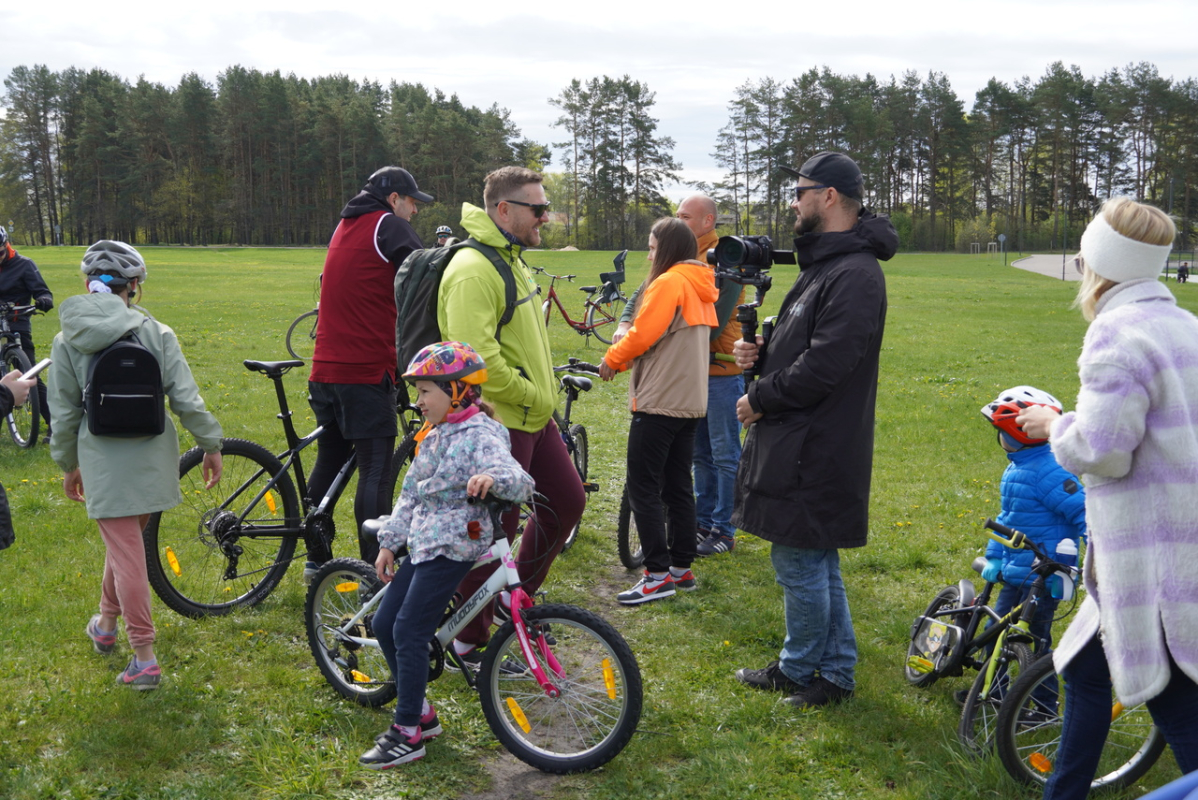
352	385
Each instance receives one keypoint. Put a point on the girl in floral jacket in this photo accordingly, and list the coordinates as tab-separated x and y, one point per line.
463	451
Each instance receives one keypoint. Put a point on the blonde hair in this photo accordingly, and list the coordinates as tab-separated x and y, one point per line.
1137	221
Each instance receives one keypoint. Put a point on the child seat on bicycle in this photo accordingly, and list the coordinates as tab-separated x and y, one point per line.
1039	497
463	453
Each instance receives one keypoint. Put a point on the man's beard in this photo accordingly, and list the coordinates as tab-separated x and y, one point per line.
809	223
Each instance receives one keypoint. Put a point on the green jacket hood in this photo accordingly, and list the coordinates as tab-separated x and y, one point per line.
483	229
91	322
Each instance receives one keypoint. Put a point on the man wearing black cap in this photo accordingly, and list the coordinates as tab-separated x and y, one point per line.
803	481
352	384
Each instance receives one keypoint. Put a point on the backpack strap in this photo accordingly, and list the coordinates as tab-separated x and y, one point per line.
509	280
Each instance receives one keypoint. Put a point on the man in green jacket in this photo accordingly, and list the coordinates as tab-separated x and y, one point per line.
520	382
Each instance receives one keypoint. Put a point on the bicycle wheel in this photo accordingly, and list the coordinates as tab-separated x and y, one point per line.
546	307
219	549
628	542
358	672
1029	732
24	422
400	461
948	597
578	434
979	717
301	336
599	704
603	318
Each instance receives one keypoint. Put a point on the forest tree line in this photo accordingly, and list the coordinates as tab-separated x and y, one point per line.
263	158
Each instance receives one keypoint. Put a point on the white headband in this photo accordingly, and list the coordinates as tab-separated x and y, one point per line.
1118	258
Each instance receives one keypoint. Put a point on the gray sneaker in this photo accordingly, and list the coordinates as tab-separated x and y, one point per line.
140	679
715	543
104	643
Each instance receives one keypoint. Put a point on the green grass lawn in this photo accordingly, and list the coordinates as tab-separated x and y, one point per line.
244	713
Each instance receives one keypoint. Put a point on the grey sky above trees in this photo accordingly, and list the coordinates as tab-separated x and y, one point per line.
519	56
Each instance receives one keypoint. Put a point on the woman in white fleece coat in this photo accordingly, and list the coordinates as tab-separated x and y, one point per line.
1134	441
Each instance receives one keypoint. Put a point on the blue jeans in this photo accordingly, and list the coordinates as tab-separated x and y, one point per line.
1088	718
819	628
405	622
717	453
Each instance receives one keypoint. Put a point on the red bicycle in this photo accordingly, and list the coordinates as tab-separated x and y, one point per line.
603	307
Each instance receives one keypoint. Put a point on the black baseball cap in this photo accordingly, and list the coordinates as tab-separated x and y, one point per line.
832	169
390	180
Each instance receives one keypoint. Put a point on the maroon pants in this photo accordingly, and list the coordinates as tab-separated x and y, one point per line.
543	455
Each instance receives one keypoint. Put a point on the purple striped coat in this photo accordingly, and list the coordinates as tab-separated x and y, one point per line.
1134	440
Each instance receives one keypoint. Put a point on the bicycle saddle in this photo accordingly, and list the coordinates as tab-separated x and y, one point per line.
578	382
588	289
271	368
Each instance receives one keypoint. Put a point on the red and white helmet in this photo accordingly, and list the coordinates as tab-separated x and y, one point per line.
1003	410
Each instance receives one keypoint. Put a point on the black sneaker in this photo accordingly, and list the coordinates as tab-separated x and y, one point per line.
391	749
821	692
715	543
770	679
509	667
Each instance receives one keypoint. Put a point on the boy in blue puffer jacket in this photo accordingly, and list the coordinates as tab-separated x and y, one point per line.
1039	497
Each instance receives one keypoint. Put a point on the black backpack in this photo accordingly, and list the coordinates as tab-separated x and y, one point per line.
123	396
416	285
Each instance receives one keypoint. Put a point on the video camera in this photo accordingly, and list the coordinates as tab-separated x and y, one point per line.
746	260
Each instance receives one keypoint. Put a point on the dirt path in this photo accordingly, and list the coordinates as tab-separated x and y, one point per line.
1049	266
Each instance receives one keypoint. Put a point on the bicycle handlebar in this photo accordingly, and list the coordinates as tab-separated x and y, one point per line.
1018	540
575	365
543	271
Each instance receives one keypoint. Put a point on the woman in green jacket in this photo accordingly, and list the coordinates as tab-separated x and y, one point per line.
122	479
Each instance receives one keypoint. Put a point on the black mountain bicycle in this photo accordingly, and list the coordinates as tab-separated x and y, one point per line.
24	422
215	552
574	434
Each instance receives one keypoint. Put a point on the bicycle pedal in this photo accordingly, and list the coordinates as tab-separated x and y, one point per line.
590	486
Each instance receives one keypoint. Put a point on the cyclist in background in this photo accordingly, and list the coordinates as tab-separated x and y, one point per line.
22	284
444	233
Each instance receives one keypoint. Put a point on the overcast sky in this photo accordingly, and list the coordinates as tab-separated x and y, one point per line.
521	54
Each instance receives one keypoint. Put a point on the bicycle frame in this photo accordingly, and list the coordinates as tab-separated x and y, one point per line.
506	577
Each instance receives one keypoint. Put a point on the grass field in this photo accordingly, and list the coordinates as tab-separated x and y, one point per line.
244	713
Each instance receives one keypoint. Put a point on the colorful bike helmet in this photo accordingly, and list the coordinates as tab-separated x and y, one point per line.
4	236
109	256
444	230
1003	410
447	361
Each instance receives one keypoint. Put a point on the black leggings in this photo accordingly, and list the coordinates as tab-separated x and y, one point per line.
373	498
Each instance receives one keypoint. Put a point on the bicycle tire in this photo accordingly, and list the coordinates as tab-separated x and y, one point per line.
1029	734
401	459
546	309
359	673
184	558
598	709
301	336
978	727
628	542
24	421
580	456
604	323
947	597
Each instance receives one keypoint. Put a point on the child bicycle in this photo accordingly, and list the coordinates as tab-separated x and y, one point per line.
1015	701
574	434
560	688
207	556
604	304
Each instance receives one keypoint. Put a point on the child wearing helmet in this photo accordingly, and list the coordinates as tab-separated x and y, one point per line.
122	480
1039	498
463	452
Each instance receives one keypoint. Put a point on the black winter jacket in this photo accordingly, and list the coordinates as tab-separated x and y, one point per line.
21	283
7	536
804	476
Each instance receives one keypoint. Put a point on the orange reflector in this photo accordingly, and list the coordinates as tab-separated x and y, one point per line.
1040	763
174	562
518	714
348	586
360	677
270	502
609	678
1116	711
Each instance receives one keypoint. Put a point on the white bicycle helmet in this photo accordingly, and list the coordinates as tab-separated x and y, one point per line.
109	256
445	230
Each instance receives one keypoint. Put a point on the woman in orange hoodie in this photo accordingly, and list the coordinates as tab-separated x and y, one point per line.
667	348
